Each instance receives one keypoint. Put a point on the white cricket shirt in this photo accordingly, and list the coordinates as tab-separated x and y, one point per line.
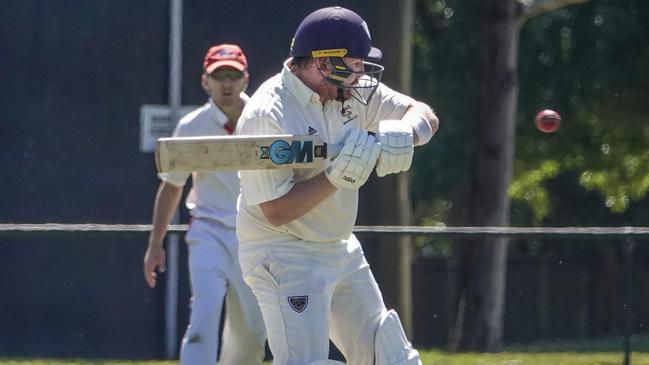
213	194
285	105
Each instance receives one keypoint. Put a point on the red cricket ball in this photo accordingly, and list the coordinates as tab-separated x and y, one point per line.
547	121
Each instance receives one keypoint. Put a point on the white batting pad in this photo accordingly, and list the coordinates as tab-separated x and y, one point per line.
391	345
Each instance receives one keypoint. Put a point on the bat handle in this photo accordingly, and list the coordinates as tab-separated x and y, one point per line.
334	149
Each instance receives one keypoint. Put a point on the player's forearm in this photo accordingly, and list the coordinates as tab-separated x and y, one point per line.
424	122
166	203
303	197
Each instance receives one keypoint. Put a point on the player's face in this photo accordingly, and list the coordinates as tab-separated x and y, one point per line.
224	85
356	66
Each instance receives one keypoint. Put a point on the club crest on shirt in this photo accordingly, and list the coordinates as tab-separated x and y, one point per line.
298	303
346	112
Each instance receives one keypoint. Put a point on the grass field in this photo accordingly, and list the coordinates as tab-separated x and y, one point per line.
604	351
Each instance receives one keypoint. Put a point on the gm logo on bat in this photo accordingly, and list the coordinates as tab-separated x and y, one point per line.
282	152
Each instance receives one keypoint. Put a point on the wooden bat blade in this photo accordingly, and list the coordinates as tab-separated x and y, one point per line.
240	153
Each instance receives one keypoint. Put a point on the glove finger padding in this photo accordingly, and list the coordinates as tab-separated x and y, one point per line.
397	147
351	168
373	154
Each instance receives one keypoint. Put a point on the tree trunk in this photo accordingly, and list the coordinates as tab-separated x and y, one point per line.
386	201
482	265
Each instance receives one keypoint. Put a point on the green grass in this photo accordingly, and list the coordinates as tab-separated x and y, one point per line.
601	351
526	358
428	357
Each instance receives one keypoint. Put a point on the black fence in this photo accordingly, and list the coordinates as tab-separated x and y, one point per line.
78	290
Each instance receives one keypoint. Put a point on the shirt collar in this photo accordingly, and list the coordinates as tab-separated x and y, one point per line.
295	86
216	114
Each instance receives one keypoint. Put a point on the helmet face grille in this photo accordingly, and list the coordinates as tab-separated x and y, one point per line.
367	81
364	92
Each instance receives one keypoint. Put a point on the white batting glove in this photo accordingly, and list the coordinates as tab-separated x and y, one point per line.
355	162
397	147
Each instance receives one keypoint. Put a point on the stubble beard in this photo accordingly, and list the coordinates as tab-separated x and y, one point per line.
330	91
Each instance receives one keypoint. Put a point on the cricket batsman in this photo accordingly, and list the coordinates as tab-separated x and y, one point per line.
297	251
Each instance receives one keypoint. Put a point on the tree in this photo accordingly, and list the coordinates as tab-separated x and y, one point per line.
479	319
590	62
481	265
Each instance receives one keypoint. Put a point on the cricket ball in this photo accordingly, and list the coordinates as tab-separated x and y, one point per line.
547	121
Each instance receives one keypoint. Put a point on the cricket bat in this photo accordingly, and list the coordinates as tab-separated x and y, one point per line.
242	153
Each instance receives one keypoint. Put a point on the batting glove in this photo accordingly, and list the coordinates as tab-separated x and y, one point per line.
355	162
397	147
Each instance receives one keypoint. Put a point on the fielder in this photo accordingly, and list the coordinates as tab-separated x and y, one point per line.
211	238
297	250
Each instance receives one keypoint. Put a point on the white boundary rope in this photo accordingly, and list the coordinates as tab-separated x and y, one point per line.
468	231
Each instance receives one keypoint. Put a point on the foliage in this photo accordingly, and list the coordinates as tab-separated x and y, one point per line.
527	187
589	62
444	75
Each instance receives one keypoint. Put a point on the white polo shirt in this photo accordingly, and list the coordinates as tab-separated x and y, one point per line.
213	194
285	105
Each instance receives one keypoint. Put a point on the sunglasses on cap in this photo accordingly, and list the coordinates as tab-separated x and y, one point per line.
227	73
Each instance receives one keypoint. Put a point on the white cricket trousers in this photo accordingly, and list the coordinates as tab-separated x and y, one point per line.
214	272
310	292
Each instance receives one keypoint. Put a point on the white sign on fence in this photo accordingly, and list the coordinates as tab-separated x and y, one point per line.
155	122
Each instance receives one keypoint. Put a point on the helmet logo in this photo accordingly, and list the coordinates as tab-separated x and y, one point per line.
367	30
337	52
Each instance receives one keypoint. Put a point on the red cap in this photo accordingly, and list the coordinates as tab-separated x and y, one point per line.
224	55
